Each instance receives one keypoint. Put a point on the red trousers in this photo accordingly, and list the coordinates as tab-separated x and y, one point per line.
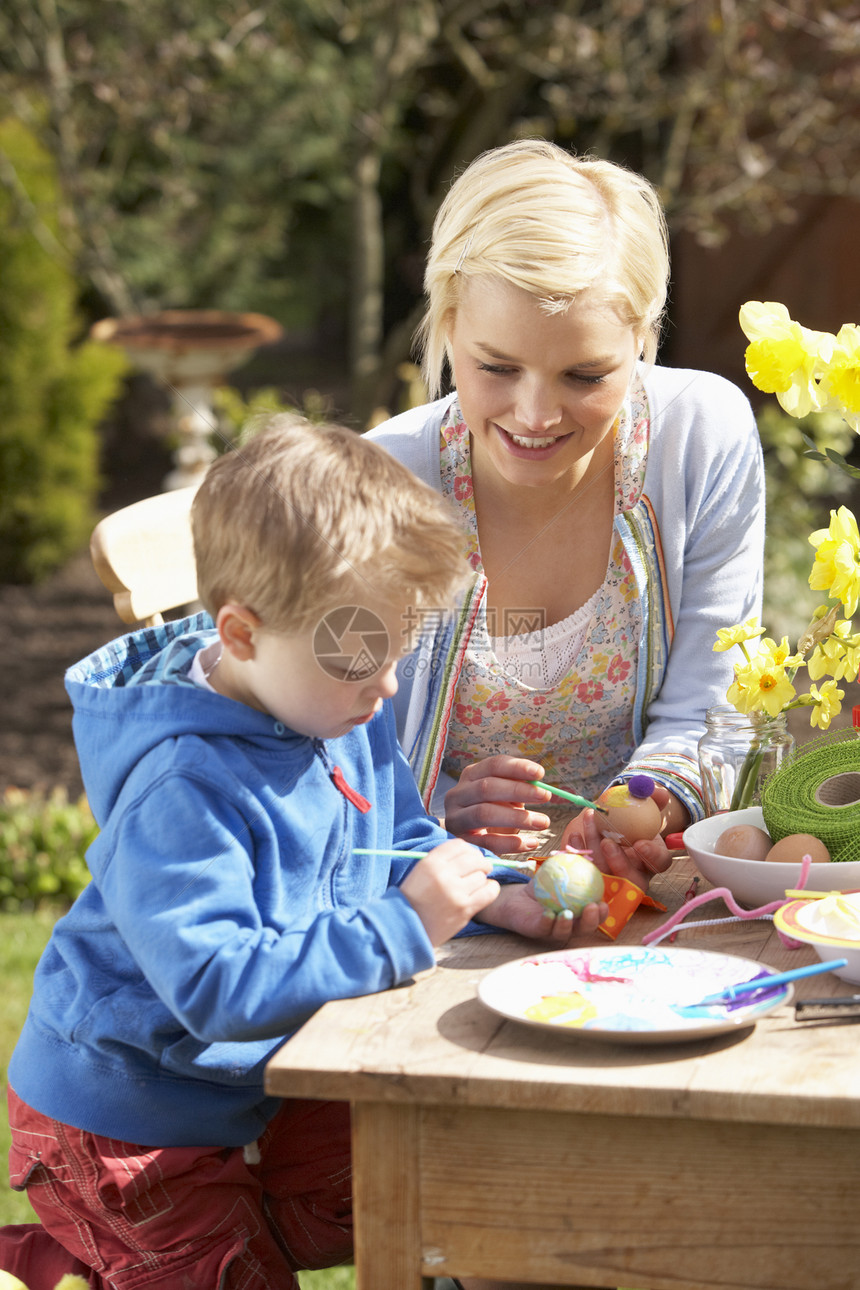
181	1218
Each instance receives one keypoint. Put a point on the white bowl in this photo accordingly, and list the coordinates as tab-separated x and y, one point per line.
757	882
789	920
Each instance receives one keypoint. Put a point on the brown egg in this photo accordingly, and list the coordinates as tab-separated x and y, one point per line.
629	815
792	849
743	842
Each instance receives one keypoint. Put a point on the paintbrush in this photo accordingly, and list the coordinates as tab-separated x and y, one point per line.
767	981
419	855
581	802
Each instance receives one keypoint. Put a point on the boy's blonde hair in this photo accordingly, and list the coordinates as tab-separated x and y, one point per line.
555	225
302	518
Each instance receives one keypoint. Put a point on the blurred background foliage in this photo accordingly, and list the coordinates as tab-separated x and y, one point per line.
43	838
800	492
52	394
288	158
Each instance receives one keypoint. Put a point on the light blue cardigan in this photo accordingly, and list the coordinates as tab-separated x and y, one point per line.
695	539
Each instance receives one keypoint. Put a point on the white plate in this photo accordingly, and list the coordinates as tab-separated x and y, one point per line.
627	993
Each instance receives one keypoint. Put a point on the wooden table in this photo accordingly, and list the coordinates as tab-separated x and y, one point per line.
485	1147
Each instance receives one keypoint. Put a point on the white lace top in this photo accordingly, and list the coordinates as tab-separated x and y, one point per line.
540	659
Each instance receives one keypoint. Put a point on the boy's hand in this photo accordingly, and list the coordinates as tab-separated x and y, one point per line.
516	909
448	887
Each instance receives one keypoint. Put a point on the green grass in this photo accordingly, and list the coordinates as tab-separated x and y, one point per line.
22	939
333	1279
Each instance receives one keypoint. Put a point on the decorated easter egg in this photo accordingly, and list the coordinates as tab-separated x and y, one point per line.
632	812
567	880
792	849
743	842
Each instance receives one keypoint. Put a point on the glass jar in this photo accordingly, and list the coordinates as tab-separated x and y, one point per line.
737	752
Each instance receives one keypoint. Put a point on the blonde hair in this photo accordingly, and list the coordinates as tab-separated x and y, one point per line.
555	225
302	518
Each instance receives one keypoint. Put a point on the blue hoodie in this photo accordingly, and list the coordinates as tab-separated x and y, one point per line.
225	906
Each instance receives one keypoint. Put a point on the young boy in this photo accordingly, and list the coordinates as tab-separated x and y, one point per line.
236	771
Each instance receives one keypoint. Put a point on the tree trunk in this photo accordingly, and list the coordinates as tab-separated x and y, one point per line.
368	280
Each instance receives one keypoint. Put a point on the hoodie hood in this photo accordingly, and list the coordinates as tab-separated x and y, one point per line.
135	692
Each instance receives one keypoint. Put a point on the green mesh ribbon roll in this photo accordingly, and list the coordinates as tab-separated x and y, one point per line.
817	791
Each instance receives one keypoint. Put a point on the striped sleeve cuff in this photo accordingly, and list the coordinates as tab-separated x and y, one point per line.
675	771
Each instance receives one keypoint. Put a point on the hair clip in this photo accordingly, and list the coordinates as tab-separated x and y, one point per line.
465	251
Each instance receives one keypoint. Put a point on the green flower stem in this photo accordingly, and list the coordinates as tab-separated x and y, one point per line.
747	779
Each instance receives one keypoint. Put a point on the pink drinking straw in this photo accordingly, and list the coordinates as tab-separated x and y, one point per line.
763	910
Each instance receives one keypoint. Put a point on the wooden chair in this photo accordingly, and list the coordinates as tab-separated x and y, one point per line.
144	555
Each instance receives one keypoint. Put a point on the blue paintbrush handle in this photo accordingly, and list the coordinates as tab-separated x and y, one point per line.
767	980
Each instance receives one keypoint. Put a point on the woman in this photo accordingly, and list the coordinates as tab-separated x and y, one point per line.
614	510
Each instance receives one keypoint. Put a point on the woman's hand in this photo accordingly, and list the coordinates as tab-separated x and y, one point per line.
516	909
637	862
491	801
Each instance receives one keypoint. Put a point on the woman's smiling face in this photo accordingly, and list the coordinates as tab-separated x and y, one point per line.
539	392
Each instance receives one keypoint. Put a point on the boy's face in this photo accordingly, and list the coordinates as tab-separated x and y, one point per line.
325	681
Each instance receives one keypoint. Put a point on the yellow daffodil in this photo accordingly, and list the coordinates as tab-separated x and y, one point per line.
763	685
783	357
780	655
827	704
826	659
837	559
729	636
739	696
846	654
807	371
840	378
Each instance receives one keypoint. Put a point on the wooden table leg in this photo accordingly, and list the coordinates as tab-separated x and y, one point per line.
385	1197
